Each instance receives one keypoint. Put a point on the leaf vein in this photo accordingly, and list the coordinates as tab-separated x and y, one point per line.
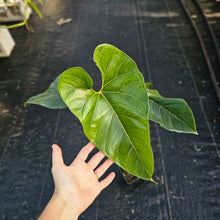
110	121
162	107
117	77
94	108
138	156
122	93
86	102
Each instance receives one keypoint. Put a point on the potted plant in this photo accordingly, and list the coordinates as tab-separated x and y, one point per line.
115	119
17	10
14	11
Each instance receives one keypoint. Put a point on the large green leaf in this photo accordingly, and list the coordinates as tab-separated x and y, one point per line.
50	98
171	113
115	118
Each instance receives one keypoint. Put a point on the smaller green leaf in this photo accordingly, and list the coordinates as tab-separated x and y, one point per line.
30	2
50	98
171	113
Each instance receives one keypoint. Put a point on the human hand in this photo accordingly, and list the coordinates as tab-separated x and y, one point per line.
78	184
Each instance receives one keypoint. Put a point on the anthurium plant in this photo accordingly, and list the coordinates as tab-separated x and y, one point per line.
116	118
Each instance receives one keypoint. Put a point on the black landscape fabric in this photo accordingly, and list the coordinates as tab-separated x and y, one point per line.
160	38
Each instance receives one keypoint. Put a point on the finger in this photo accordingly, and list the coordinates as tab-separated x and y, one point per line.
57	157
95	160
85	151
102	169
104	183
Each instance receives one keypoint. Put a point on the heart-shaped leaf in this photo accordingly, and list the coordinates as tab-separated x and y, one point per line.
115	118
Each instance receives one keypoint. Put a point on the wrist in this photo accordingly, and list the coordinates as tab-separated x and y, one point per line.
67	203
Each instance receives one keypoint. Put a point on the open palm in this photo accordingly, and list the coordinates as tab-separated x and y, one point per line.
79	182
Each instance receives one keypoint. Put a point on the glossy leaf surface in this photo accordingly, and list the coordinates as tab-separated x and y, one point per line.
115	118
171	113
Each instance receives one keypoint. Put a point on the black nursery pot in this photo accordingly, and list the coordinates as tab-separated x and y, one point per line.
129	178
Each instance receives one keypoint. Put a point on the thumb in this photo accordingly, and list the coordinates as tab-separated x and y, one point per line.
57	157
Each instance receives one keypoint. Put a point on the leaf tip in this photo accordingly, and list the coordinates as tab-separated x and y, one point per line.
153	181
25	104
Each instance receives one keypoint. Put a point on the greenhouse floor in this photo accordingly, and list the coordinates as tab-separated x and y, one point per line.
159	36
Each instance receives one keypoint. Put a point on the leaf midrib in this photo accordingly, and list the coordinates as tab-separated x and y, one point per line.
105	98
